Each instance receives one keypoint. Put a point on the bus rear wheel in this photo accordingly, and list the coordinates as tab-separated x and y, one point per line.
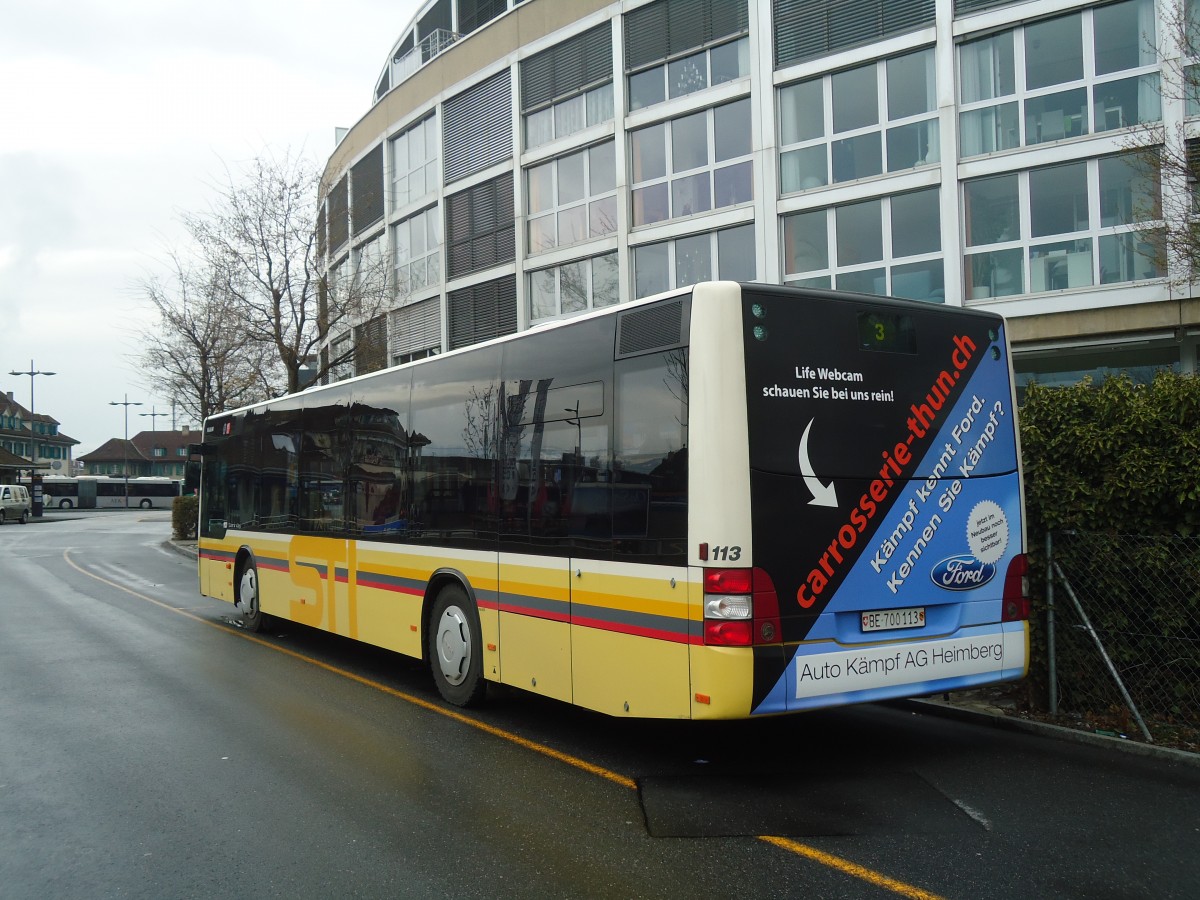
253	618
456	648
146	504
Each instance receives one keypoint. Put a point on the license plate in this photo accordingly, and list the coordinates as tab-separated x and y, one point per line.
889	619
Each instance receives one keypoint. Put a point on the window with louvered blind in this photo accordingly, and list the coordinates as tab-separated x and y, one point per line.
809	28
338	205
568	87
567	68
416	330
480	227
962	7
370	346
477	128
482	312
661	30
366	183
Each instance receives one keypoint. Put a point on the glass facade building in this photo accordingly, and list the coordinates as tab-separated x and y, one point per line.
521	161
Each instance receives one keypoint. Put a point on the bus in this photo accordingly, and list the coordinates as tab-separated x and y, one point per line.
108	492
724	502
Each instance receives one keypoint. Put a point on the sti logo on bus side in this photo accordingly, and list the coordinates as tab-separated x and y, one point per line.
962	573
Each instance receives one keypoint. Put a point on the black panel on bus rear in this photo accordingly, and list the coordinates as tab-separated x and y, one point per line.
850	401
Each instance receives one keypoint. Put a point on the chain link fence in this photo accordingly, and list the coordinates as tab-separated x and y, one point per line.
1123	633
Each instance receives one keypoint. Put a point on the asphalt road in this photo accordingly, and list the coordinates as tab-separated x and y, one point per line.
150	748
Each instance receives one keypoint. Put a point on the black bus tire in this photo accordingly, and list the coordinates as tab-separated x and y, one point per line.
146	504
248	598
456	648
64	504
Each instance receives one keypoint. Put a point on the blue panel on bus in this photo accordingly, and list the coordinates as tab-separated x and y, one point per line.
886	496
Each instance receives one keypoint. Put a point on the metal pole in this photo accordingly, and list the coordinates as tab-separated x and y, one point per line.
37	504
1050	648
1112	670
153	414
125	466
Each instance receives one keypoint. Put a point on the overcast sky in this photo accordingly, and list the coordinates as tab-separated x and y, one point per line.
115	116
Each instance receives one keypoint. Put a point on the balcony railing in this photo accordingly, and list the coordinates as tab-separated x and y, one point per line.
426	49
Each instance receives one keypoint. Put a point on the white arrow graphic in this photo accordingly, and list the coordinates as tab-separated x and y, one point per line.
822	495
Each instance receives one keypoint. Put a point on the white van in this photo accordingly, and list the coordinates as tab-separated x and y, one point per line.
14	503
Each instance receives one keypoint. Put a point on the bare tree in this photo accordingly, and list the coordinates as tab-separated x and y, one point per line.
1166	163
261	238
192	356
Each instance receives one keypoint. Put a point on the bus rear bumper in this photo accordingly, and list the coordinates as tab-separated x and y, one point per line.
829	674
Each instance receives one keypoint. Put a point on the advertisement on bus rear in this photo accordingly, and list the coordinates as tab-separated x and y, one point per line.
885	495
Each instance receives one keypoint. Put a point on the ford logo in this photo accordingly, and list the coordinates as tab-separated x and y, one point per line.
962	573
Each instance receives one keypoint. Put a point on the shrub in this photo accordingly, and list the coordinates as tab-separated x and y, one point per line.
185	512
1113	459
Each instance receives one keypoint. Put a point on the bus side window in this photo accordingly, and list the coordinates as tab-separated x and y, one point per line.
649	495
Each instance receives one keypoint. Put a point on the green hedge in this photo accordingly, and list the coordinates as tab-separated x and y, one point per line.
184	514
1116	456
1113	459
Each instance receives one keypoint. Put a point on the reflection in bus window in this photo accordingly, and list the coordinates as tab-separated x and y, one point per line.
650	467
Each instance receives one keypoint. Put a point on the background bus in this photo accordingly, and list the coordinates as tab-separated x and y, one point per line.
728	501
92	492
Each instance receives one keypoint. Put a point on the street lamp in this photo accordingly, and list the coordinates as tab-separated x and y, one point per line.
126	403
37	506
153	416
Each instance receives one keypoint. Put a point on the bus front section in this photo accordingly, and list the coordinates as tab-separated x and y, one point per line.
886	550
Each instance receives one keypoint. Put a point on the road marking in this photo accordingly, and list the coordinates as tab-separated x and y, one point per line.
851	868
973	813
812	853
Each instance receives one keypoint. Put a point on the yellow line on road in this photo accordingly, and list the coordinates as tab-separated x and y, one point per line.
851	868
812	853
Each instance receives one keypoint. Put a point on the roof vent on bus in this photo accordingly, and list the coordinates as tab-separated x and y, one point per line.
657	327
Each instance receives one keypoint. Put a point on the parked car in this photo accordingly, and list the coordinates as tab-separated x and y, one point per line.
15	503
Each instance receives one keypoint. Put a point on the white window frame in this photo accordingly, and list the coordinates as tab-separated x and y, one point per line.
548	123
1091	83
423	136
882	126
552	213
1094	235
663	69
672	261
405	262
827	277
710	168
556	272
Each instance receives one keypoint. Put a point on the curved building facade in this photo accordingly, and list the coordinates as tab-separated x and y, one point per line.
523	161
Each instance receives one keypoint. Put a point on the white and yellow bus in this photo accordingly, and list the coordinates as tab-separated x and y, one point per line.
723	502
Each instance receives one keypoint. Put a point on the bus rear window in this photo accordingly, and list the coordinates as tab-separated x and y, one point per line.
889	332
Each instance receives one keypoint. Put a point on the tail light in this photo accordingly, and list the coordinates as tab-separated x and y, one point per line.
1016	590
741	608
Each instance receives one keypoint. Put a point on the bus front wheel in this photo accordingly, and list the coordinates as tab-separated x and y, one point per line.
253	618
146	504
456	648
64	504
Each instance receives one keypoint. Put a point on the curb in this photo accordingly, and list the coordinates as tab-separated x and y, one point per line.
183	548
1053	732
